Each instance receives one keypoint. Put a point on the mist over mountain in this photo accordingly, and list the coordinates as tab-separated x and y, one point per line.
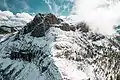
66	40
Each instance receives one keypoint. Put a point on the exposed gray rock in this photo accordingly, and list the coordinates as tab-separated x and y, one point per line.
6	29
39	31
46	19
83	27
42	22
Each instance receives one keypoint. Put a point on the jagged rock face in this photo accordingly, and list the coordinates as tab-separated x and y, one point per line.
49	49
3	31
42	22
39	31
9	29
6	29
117	28
82	27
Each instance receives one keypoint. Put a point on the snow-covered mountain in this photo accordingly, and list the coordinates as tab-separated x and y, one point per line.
47	48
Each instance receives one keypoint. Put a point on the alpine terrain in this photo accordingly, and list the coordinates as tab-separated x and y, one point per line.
48	48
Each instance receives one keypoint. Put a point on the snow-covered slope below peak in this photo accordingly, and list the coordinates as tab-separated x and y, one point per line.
32	53
88	54
49	49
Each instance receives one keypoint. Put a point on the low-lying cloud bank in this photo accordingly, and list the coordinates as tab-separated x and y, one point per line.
101	15
9	19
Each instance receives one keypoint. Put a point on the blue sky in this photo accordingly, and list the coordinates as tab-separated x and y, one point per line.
35	6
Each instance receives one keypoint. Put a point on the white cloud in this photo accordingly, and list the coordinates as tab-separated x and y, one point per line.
5	15
25	16
10	19
99	14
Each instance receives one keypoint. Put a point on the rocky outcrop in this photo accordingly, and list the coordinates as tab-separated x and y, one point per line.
46	20
2	31
6	29
39	31
82	26
117	28
42	22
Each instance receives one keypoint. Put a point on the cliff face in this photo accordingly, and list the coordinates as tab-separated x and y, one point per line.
47	48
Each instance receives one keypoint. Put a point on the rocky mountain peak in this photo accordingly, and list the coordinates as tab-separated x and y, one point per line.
40	24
